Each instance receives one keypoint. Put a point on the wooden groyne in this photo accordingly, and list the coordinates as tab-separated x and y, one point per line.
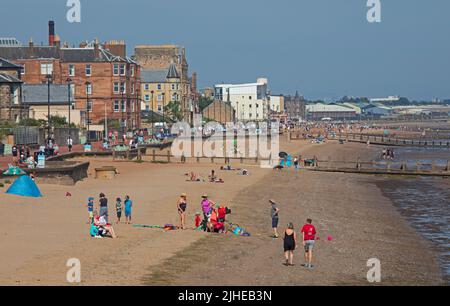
388	167
393	141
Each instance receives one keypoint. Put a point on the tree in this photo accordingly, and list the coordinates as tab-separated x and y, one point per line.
204	102
173	111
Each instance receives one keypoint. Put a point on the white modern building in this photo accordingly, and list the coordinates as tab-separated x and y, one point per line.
250	101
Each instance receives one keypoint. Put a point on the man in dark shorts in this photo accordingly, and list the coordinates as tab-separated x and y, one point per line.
103	206
274	210
309	236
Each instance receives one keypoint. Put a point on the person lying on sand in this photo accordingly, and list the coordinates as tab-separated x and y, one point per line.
194	177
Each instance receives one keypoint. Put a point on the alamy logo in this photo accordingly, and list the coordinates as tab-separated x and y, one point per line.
374	13
374	273
74	12
74	274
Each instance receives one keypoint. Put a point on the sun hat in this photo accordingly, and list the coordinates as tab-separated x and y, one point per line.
183	195
204	195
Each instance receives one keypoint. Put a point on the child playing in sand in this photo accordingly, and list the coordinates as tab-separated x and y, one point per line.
119	209
90	206
198	220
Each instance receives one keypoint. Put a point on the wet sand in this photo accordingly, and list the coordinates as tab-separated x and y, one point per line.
38	236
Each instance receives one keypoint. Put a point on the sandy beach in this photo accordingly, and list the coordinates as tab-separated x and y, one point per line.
38	236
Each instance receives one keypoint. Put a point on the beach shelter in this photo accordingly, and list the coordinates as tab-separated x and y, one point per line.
24	186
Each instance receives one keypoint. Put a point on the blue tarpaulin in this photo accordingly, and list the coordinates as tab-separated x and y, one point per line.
24	186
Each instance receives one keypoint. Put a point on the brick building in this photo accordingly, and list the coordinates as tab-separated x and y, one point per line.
158	60
11	107
102	83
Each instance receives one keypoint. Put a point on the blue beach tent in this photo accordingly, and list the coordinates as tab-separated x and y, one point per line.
24	186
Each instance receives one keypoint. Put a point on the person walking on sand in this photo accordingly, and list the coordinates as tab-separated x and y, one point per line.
182	206
274	211
296	163
290	242
70	143
309	236
103	203
128	206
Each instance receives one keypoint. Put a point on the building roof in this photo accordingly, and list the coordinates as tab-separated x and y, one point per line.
9	42
6	78
18	53
38	94
320	107
173	73
153	76
4	64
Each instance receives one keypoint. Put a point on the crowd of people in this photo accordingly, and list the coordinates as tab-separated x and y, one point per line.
387	153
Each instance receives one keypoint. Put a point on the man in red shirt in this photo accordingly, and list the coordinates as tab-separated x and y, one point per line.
309	236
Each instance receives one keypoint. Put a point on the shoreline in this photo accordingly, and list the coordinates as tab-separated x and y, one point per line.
257	260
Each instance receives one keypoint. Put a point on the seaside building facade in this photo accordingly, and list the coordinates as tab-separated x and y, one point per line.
320	111
102	84
250	101
11	106
295	107
166	74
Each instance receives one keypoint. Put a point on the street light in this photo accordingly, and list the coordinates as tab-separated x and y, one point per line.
88	84
69	83
163	109
49	81
152	109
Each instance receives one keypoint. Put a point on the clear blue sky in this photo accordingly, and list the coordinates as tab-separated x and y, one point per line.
322	48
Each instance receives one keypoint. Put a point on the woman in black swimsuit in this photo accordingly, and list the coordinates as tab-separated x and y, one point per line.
182	206
290	241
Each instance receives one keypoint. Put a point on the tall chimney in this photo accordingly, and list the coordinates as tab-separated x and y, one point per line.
51	33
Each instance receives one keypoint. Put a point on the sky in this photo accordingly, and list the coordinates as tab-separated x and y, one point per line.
324	49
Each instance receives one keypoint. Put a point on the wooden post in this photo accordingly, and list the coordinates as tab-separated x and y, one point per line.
212	160
139	154
433	165
417	166
358	164
241	160
389	166
403	166
168	157
128	154
183	158
198	158
154	155
114	154
448	166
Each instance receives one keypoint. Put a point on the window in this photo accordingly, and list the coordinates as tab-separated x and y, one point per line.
116	88
89	106
122	69
71	70
72	91
116	106
123	106
46	69
147	87
89	89
22	70
88	70
159	86
147	98
249	97
159	107
116	69
174	97
123	87
132	88
160	98
132	71
173	86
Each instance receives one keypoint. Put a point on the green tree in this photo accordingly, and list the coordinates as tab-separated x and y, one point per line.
173	111
204	102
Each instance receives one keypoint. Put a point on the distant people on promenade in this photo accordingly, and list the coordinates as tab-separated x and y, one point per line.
274	214
70	143
309	236
290	243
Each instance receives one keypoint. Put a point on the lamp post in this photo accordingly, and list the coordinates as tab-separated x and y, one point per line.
69	83
88	84
122	106
152	109
164	111
49	81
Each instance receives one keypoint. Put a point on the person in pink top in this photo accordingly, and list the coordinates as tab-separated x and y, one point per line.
207	207
309	236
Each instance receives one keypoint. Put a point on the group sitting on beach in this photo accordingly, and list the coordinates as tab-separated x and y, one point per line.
99	219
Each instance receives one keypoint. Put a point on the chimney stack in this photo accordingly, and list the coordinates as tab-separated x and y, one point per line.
51	33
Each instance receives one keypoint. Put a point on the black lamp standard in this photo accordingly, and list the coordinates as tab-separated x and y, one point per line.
69	84
122	106
88	110
49	81
163	108
152	109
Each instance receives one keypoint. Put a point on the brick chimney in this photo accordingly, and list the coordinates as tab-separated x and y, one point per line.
51	33
116	47
31	48
96	48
